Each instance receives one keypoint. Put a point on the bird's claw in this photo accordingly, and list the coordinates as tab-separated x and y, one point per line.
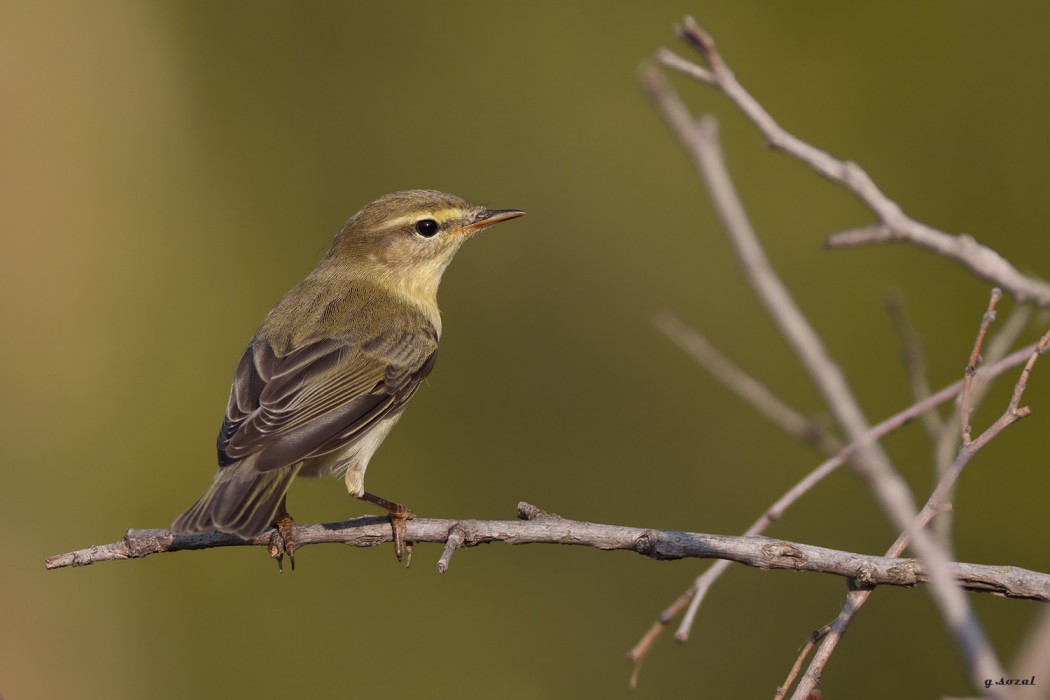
283	541
398	523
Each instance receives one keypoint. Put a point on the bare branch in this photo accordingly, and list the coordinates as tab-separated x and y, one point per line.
965	399
979	259
758	552
894	224
696	593
702	582
936	502
870	461
700	586
947	444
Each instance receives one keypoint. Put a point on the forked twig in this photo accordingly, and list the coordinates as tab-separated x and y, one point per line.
856	598
703	582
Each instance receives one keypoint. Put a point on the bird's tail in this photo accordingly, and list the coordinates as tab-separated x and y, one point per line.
242	501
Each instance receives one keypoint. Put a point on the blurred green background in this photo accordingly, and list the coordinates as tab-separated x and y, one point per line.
172	168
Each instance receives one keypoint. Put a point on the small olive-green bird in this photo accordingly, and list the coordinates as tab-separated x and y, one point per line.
334	364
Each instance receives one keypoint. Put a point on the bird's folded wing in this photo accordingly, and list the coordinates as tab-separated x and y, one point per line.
318	397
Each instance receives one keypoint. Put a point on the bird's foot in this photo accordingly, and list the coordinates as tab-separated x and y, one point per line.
283	539
398	523
399	515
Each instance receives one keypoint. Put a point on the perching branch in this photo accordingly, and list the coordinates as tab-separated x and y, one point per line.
539	527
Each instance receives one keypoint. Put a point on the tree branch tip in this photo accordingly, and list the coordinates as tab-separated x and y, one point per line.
893	300
662	54
58	561
456	537
635	673
662	315
691	31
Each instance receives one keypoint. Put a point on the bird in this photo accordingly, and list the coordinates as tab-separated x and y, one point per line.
334	364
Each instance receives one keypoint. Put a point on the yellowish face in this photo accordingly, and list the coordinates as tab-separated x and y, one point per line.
405	240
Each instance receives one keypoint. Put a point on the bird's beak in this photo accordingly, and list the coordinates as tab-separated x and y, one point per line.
489	217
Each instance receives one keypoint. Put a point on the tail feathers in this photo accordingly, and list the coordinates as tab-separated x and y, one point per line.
241	501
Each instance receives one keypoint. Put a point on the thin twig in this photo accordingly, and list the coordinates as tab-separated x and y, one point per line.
743	384
971	367
797	666
456	538
641	649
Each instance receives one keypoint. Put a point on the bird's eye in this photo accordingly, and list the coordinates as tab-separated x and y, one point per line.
426	227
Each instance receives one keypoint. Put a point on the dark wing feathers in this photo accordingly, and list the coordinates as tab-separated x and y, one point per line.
318	397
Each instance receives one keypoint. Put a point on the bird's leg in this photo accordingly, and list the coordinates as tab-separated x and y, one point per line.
283	538
399	515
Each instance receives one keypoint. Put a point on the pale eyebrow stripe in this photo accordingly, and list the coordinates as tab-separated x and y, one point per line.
441	216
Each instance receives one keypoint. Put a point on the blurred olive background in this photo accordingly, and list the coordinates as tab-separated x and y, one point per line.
172	168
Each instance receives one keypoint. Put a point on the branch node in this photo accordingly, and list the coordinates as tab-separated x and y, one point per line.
456	536
784	555
862	581
527	511
908	573
645	544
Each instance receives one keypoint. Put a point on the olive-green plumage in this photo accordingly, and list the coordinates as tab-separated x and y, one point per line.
332	367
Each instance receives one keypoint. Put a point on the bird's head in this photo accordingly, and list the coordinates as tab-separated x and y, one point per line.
405	240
